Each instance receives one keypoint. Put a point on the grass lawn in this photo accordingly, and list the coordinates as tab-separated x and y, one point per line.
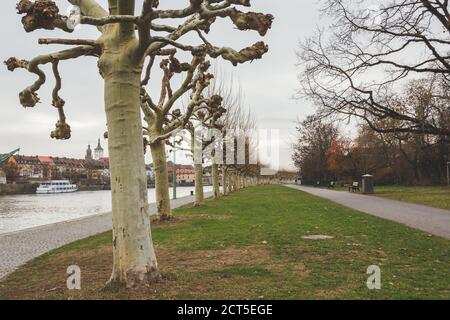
435	196
249	246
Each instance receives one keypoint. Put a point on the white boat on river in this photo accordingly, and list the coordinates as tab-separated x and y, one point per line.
56	186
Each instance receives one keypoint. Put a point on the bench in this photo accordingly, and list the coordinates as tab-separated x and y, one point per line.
354	187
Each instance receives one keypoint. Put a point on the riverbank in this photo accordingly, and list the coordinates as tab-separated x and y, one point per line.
18	212
251	245
18	247
18	188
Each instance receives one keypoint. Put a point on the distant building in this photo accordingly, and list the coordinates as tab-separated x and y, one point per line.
88	155
67	168
95	169
98	152
185	176
30	167
2	177
56	168
185	173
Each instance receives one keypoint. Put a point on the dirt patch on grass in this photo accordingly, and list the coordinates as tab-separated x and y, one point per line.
182	274
330	294
207	260
176	220
300	269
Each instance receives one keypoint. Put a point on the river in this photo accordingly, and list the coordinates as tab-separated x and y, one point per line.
19	212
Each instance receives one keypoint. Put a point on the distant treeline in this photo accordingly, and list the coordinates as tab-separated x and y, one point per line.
323	153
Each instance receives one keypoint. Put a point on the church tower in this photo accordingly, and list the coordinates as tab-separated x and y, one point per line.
98	151
88	153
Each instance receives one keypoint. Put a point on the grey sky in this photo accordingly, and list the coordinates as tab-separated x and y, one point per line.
268	84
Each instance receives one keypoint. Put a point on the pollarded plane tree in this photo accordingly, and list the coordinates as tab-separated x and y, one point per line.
231	101
224	130
206	133
202	129
125	41
241	148
250	168
163	121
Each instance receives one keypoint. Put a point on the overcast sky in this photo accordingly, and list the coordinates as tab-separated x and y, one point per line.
268	84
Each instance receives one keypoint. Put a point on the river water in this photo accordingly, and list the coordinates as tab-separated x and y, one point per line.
21	212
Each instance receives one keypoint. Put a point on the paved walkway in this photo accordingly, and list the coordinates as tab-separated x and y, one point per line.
22	246
432	220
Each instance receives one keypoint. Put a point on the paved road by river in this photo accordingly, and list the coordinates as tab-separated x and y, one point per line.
432	220
19	247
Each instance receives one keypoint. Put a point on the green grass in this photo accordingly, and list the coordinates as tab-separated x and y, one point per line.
249	246
434	196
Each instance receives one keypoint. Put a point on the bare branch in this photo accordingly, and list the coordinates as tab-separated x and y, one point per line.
71	42
29	98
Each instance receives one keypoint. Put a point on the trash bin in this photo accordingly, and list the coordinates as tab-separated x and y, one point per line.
367	184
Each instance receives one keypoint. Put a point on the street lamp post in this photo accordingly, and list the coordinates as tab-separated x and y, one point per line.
448	174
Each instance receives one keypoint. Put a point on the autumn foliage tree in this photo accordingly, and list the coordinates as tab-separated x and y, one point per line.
315	139
126	41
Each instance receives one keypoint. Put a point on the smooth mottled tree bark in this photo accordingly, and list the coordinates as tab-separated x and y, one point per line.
215	178
224	181
199	195
134	257
158	150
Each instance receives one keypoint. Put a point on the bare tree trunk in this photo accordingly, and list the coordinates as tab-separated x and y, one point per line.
199	197
215	177
134	257
224	181
158	150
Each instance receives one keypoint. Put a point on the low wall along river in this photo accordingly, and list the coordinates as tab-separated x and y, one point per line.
18	212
